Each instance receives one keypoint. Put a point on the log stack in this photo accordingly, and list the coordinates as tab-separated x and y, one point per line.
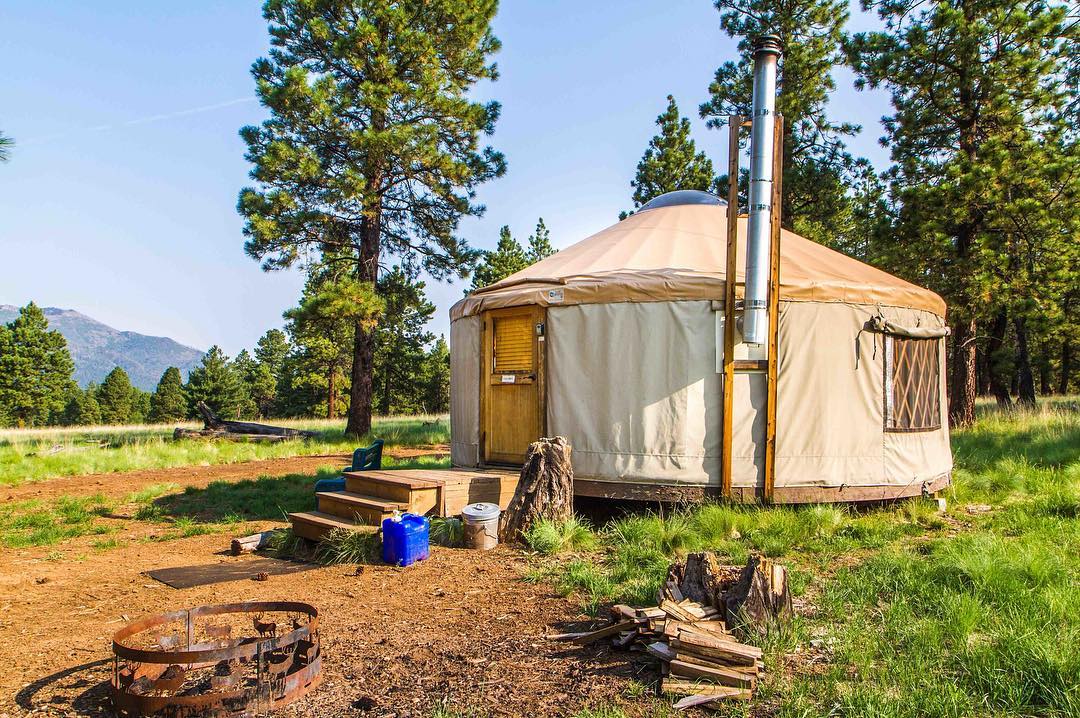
700	643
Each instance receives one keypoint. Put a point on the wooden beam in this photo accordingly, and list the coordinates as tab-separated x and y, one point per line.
735	122
774	307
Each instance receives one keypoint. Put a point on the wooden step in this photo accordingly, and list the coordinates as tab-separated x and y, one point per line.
419	496
314	524
349	505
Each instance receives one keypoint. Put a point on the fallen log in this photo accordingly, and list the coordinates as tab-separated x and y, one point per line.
247	544
212	435
213	422
545	489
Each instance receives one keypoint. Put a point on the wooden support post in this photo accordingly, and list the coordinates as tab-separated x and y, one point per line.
735	123
774	307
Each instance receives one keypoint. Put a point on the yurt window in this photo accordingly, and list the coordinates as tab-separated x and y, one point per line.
513	345
912	384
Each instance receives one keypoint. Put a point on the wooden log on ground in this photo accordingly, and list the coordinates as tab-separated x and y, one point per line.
247	544
677	686
716	674
752	600
213	421
760	601
214	435
545	488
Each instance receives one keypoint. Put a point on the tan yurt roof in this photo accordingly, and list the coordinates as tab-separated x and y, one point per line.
677	252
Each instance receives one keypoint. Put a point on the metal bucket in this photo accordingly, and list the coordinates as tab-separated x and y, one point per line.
481	525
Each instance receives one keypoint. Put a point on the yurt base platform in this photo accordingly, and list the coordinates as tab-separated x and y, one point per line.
371	496
672	493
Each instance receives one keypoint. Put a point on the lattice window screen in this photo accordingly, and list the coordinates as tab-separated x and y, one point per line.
912	384
514	345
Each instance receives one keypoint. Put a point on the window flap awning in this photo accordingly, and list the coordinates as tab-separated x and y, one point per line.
883	325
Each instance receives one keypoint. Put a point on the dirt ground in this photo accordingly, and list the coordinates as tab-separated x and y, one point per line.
123	483
462	629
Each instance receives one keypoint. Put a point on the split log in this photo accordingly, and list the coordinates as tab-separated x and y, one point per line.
760	601
752	600
545	488
247	544
214	422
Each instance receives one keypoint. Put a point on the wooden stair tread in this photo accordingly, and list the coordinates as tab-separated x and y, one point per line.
389	477
363	500
328	521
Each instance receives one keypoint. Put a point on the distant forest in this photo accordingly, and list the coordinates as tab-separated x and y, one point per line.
298	372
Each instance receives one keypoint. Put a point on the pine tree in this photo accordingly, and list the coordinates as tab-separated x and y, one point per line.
115	397
169	402
6	143
270	352
271	349
82	408
436	389
322	328
401	343
35	370
671	162
977	86
507	258
140	405
816	162
540	243
246	369
215	382
373	145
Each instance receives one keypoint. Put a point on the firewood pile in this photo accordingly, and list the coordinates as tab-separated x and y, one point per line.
698	644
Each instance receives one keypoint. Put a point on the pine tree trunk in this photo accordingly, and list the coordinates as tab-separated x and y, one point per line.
1026	380
997	384
1066	366
331	393
962	384
367	270
545	489
1044	376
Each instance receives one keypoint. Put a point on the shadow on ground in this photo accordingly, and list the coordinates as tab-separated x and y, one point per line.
82	689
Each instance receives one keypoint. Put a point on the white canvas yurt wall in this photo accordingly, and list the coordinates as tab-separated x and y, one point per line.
632	332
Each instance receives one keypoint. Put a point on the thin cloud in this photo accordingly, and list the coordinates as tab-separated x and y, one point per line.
140	121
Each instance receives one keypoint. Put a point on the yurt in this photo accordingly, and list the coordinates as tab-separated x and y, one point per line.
616	343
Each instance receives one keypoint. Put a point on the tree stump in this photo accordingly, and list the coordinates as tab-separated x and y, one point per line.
545	488
753	599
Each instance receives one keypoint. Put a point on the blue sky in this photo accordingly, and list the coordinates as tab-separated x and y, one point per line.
119	199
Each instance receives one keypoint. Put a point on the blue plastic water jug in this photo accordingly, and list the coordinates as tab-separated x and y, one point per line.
405	539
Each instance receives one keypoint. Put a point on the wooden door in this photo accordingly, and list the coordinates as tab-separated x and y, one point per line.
512	382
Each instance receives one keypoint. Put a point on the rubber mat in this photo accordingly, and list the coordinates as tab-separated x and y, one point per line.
190	576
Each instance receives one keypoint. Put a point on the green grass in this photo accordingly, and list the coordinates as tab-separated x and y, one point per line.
220	506
554	537
972	613
37	523
37	454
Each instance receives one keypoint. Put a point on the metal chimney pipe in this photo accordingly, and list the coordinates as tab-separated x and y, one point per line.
755	323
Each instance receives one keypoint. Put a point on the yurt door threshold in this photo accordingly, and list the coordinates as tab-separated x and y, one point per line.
512	383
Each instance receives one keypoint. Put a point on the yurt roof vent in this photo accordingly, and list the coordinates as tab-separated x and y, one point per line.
682	196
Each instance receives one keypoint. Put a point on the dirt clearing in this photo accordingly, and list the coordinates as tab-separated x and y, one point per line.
395	641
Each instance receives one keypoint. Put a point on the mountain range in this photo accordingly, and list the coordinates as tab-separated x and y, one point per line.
97	348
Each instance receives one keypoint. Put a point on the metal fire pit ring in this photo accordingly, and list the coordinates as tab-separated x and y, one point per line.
225	677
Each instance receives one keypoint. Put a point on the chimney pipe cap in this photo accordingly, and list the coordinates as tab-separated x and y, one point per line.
769	44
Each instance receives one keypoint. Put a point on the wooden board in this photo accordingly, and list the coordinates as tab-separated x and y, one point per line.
206	574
